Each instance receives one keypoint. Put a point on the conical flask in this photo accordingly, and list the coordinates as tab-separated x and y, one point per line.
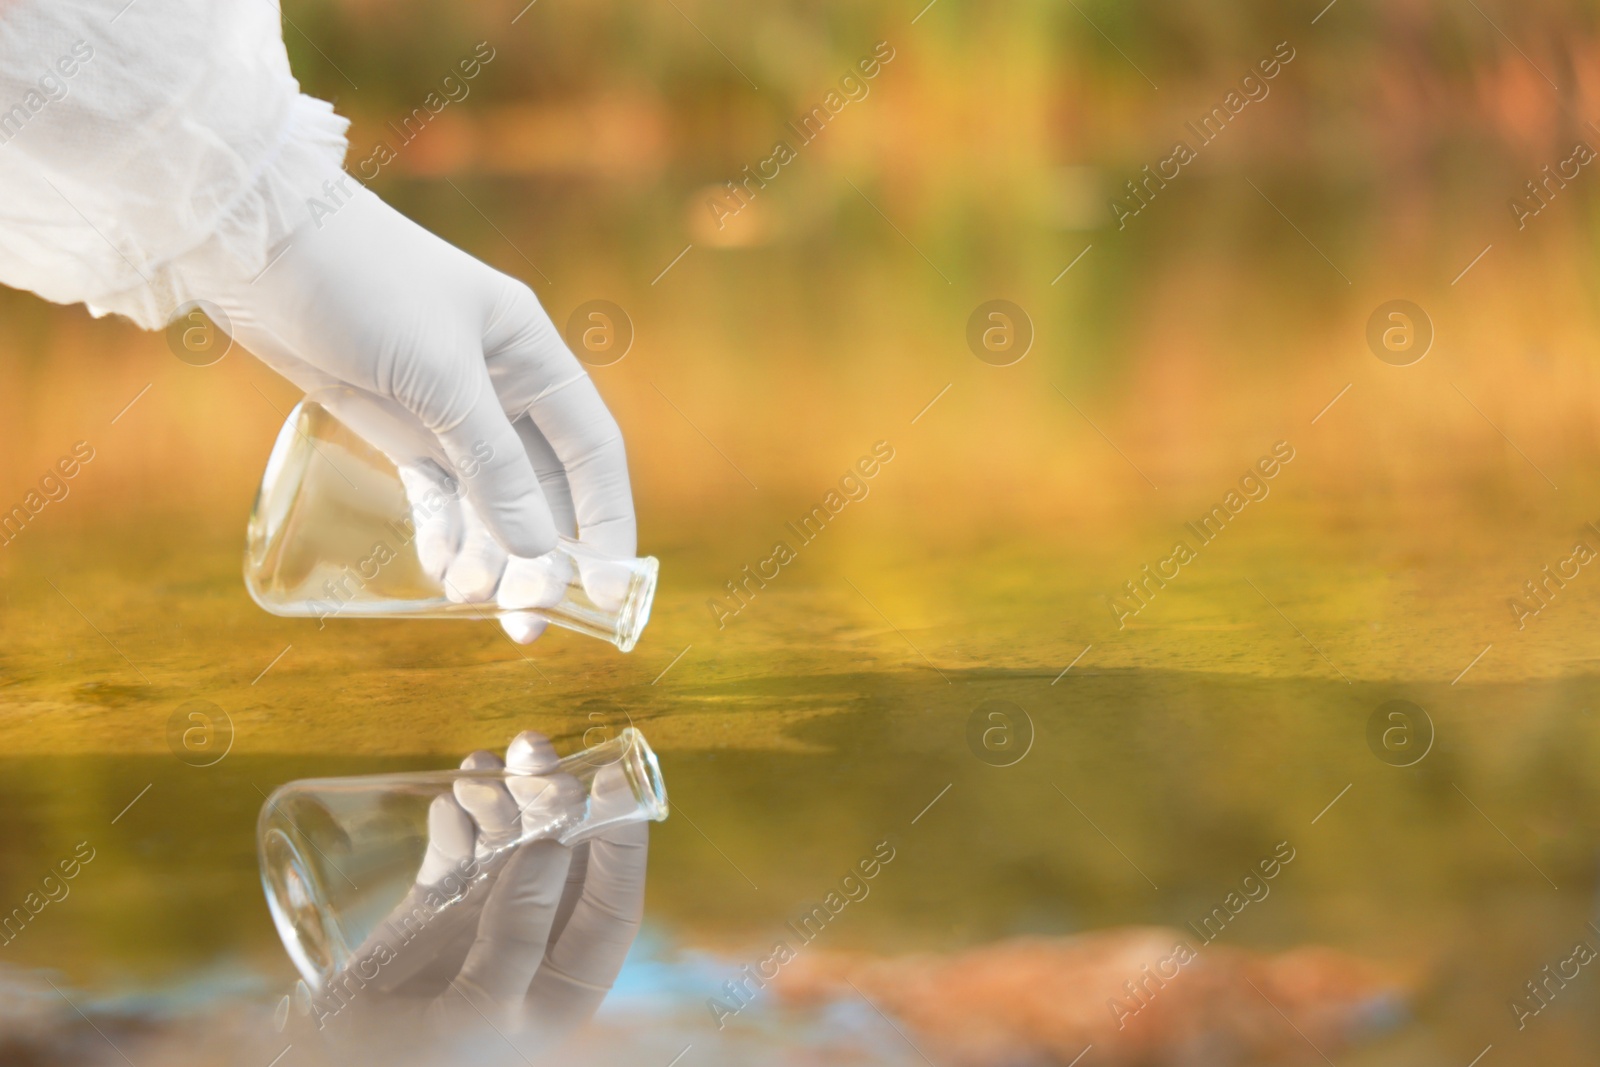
360	515
410	859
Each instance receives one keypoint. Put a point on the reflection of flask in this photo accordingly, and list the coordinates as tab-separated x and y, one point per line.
349	862
358	508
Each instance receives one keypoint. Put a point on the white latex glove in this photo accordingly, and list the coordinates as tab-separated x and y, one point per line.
534	952
367	298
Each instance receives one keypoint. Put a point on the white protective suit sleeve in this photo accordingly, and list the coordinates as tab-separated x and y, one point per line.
144	144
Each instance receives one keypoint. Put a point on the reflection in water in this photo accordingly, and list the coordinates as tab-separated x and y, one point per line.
499	925
1147	802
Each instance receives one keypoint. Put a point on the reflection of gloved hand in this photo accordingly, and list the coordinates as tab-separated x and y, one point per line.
531	950
367	298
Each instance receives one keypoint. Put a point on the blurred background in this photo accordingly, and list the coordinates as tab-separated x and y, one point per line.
1437	154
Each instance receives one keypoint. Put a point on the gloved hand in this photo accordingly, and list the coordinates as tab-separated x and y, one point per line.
367	298
531	951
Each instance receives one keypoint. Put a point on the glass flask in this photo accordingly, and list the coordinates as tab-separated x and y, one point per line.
360	515
346	860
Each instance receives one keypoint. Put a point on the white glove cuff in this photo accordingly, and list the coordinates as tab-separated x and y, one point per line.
309	152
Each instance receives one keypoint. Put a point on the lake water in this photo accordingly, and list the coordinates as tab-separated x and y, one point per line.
1448	855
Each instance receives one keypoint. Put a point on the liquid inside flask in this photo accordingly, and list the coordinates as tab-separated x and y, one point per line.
361	515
